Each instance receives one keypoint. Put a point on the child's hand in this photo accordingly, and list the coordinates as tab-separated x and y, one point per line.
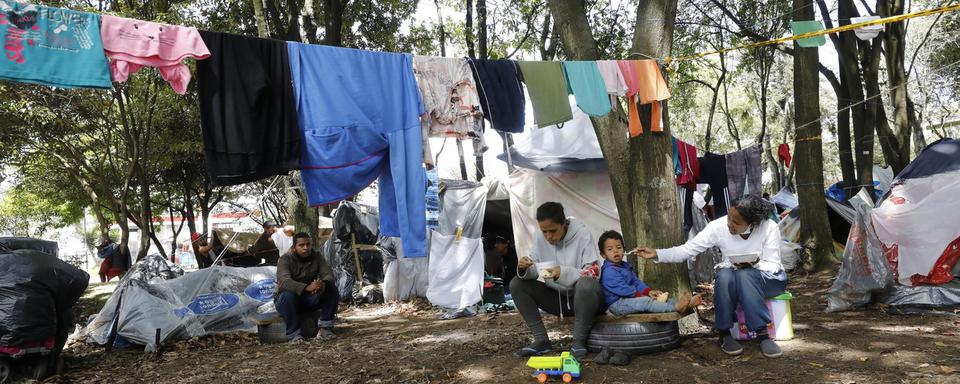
654	294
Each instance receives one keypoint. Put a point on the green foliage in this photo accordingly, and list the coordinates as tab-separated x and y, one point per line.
27	213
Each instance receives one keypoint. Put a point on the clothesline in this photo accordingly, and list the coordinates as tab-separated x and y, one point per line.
850	27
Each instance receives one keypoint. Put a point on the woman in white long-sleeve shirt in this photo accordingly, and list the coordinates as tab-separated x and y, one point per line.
746	229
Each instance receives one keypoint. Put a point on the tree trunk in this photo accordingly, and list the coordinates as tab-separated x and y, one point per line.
263	28
894	51
468	32
482	29
772	163
641	169
708	138
273	16
731	125
304	218
814	226
873	117
146	221
863	120
310	21
443	32
333	23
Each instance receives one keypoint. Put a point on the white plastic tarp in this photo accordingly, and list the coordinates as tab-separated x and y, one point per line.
574	139
456	271
586	196
786	198
403	278
462	205
919	217
212	300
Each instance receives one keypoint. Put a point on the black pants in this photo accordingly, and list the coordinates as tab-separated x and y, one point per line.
585	302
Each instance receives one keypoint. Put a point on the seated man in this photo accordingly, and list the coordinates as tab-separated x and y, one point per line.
558	256
305	284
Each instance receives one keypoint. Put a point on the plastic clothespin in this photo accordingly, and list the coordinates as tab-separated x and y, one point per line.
459	233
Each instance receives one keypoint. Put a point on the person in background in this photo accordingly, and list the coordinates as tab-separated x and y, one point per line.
501	260
305	284
202	248
746	230
115	262
105	253
283	240
565	248
269	228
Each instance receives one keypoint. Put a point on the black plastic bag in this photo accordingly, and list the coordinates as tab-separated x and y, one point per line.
34	288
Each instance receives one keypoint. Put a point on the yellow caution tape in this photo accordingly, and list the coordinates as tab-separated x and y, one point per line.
885	20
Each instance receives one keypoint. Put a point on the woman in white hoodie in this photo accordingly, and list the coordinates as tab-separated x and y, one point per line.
748	234
568	246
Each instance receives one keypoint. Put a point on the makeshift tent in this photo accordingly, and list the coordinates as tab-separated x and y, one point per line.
918	221
906	249
153	298
561	163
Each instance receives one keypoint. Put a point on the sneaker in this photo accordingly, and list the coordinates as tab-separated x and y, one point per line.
730	346
296	340
770	349
603	357
326	334
620	358
536	349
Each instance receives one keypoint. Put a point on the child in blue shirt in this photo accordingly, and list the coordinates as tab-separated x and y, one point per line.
623	292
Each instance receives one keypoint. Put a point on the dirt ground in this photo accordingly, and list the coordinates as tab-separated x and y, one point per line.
405	343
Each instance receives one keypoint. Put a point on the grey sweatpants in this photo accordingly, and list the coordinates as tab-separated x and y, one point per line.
585	302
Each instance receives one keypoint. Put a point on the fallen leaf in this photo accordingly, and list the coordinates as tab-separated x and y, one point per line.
816	365
939	344
947	369
864	358
222	366
924	365
259	354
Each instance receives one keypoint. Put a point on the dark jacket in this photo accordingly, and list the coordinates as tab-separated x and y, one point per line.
620	281
295	273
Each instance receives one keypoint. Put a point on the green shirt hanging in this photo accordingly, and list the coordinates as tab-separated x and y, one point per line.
801	27
547	87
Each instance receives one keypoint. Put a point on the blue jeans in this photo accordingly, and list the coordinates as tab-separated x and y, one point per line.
293	307
748	287
628	305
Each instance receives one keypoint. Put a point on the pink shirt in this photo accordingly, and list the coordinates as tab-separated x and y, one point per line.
133	44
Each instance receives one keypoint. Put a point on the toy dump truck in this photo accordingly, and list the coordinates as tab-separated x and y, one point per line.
565	366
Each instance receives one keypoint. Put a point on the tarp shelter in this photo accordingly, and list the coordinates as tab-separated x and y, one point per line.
562	164
906	249
155	297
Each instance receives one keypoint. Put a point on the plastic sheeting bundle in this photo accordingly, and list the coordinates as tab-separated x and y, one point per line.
35	287
212	300
352	221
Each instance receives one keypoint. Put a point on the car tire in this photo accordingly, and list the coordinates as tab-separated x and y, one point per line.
634	338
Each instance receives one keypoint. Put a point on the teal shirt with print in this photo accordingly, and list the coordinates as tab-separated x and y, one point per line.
52	46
